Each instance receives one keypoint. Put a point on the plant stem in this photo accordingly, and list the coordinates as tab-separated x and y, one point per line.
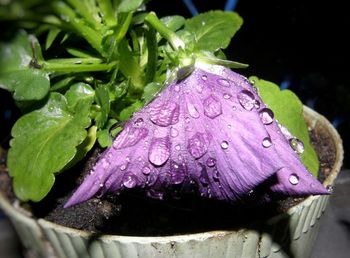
76	65
174	40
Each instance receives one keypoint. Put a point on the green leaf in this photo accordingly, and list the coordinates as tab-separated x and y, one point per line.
288	110
104	137
173	22
44	142
127	112
18	73
213	30
84	147
51	36
126	6
103	100
150	91
77	93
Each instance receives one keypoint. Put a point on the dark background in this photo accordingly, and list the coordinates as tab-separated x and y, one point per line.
299	44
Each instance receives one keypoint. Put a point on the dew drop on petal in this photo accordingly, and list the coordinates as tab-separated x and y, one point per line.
105	163
198	144
192	110
176	88
146	170
177	173
216	175
199	88
297	145
266	116
293	179
204	77
129	180
234	108
246	99
224	82
227	96
123	167
164	114
139	121
211	162
257	104
266	142
174	132
224	145
159	151
187	119
212	107
178	147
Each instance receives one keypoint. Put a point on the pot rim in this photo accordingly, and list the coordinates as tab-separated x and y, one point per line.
201	235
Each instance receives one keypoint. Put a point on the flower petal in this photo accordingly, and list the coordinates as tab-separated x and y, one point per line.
209	133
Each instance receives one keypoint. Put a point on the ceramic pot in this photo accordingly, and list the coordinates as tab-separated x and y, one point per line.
290	234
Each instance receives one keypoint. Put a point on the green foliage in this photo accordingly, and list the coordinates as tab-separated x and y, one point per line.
104	60
213	30
288	110
18	73
45	141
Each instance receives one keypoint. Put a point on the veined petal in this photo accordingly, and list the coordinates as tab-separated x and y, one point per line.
210	134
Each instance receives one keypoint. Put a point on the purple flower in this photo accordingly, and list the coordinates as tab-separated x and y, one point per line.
208	134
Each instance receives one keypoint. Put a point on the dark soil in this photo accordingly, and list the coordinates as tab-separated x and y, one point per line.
133	214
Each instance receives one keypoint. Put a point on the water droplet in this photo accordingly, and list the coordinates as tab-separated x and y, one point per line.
199	88
129	180
178	147
285	132
252	82
246	99
123	167
50	108
212	107
174	132
164	114
229	126
266	142
104	162
101	185
224	145
146	170
155	194
176	88
330	188
204	77
293	179
198	144
216	175
257	104
297	145
224	82
211	162
266	116
129	137
139	121
227	96
159	151
192	110
187	119
177	173
234	108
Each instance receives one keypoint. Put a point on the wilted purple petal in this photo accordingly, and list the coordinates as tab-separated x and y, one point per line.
209	133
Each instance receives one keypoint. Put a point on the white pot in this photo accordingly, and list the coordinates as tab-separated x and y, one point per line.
291	233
